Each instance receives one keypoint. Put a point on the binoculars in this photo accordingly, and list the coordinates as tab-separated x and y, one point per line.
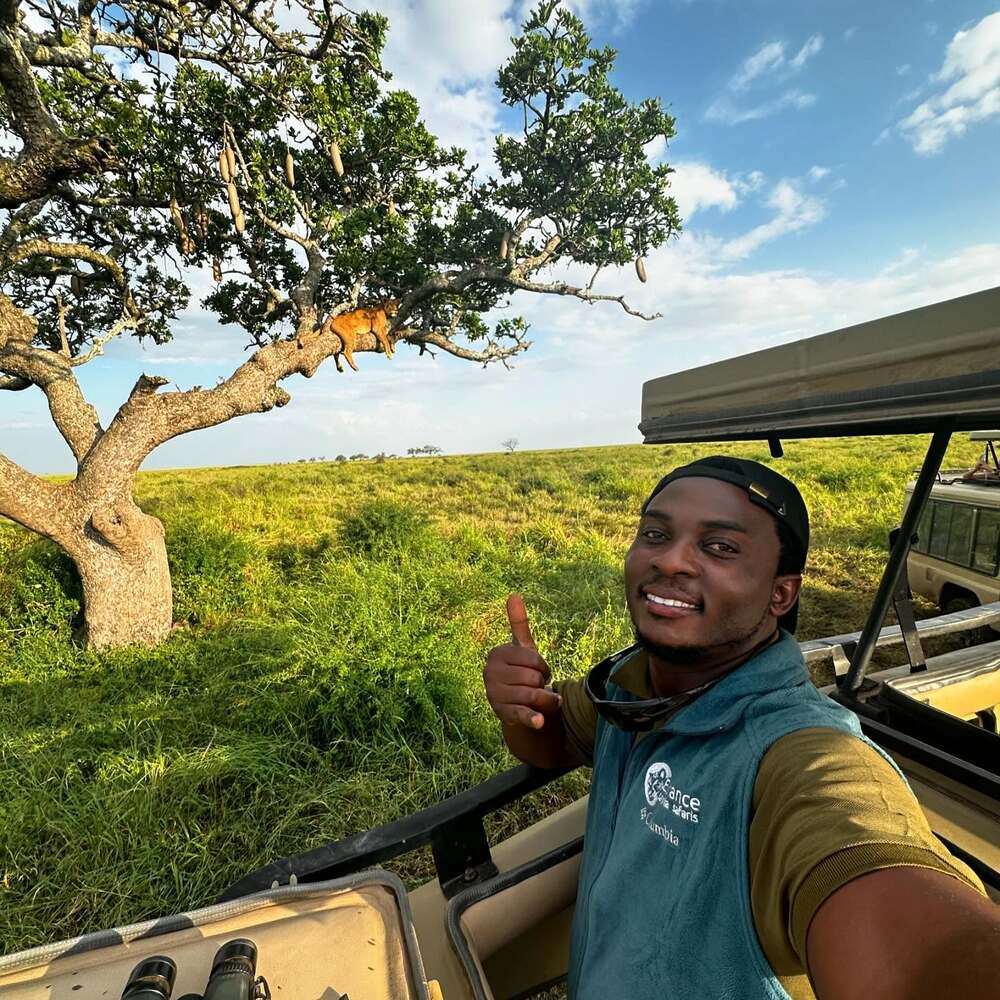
232	976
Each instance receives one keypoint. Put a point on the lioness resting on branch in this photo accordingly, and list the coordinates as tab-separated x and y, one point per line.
350	326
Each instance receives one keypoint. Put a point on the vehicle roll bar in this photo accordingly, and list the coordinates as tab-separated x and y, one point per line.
897	557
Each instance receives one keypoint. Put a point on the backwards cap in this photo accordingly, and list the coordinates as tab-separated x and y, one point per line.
764	487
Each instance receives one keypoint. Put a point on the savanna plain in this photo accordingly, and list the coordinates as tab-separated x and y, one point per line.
325	674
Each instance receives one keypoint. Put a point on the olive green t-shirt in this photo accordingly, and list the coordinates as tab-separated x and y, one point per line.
826	809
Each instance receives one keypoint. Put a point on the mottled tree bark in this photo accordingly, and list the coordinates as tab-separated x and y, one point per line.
126	579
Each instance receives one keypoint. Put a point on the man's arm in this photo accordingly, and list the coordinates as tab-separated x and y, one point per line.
515	679
905	934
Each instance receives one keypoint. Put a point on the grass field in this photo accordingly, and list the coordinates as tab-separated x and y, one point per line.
328	674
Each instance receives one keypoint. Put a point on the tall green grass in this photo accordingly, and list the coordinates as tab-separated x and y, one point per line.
326	676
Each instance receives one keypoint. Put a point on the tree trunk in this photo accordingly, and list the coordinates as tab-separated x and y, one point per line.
126	579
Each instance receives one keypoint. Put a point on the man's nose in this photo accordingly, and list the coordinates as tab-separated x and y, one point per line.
678	557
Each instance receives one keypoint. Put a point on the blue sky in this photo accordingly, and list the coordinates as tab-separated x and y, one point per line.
835	162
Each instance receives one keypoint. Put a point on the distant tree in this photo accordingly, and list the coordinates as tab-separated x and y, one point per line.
341	458
510	445
144	140
359	457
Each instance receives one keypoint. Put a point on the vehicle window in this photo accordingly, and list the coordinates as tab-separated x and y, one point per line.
938	539
924	528
960	536
984	555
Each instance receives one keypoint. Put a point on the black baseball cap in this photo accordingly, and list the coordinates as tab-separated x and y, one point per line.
766	488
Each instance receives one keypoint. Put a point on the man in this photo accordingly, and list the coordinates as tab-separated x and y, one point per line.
743	839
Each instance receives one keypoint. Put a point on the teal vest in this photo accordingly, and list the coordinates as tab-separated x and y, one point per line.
663	905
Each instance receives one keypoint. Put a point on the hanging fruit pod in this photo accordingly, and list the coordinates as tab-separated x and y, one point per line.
391	210
76	285
289	168
231	161
234	207
640	269
505	244
201	220
224	172
175	214
216	269
338	163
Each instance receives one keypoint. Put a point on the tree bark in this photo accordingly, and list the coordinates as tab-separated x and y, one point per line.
126	578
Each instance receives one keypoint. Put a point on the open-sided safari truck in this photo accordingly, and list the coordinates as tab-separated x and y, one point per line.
495	922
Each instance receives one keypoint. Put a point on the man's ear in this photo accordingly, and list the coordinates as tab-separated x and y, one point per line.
785	592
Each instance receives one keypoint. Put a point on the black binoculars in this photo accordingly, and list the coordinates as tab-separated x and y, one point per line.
232	977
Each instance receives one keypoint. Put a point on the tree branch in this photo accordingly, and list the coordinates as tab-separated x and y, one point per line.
493	352
563	288
74	417
34	503
49	155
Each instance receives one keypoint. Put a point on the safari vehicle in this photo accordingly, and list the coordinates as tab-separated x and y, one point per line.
495	922
955	560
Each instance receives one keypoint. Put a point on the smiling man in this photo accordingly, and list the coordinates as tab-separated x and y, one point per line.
742	835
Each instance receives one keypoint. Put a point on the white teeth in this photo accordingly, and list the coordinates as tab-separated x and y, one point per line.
669	603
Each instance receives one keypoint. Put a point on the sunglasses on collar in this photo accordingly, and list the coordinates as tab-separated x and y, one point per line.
633	716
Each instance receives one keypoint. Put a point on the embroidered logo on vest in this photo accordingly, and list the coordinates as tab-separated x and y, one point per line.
662	793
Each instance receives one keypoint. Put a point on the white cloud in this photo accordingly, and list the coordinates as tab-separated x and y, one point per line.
817	173
766	59
971	78
767	65
903	70
793	211
726	112
452	78
620	12
696	186
811	48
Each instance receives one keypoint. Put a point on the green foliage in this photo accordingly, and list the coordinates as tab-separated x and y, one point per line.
380	528
405	212
39	588
581	159
329	678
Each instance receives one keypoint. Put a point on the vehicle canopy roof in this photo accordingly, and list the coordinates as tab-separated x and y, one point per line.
899	374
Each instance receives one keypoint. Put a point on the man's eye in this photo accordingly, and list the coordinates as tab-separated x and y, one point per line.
721	546
652	534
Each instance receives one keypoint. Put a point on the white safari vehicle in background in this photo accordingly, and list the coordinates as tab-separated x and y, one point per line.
495	922
954	560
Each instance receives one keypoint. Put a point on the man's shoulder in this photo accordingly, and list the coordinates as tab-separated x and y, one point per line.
809	753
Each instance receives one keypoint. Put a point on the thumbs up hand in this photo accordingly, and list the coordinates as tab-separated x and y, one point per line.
516	675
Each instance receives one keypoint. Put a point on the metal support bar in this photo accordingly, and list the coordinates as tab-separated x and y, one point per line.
897	557
902	604
461	854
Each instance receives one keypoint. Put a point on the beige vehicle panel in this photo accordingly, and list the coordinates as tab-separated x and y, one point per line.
311	945
945	339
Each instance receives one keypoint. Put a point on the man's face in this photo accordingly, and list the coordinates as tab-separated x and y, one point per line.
700	576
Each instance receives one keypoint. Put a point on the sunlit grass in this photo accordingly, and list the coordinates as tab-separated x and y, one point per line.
327	677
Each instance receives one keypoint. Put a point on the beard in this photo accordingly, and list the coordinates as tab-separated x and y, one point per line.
690	656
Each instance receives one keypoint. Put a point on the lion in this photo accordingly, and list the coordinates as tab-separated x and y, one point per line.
349	326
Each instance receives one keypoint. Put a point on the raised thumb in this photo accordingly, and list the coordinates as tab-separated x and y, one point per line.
517	615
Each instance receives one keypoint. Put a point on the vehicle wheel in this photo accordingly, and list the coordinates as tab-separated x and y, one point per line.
972	637
959	602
